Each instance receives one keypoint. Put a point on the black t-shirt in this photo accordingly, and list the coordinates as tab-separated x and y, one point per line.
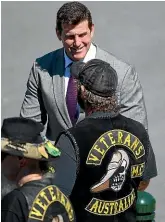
14	207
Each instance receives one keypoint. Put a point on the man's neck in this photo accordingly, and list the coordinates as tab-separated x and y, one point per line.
28	178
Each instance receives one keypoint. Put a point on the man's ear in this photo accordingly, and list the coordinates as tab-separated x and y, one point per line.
82	88
92	30
58	34
23	162
82	91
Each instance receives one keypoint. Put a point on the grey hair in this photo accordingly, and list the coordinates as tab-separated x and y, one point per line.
98	103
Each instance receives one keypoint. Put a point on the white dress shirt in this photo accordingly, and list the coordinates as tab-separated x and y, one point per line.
91	54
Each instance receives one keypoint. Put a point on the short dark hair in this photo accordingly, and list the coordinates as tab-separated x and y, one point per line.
73	13
33	165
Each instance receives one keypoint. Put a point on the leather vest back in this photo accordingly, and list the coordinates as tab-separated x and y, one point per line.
46	202
112	154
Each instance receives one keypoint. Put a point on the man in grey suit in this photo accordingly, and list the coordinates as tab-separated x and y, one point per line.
49	81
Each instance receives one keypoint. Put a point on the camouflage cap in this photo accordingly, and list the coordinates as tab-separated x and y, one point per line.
21	137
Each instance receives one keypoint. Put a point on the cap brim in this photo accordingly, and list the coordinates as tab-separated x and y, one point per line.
44	151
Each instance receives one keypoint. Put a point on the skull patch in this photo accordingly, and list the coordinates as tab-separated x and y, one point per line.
116	173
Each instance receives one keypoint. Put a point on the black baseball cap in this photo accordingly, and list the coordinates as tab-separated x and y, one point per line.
97	76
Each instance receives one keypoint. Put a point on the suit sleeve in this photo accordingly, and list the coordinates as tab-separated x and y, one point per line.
66	165
33	106
132	98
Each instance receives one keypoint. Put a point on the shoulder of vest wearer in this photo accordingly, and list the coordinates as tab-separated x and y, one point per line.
136	123
12	197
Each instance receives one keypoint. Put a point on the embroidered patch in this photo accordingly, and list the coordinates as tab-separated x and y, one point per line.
51	169
109	208
116	171
45	198
115	174
113	138
137	170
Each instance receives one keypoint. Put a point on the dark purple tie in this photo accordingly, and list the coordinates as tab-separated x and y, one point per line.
71	99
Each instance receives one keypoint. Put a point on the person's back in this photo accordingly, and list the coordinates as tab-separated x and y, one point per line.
37	200
111	153
111	149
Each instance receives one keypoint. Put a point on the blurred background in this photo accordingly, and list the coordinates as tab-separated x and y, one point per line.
133	31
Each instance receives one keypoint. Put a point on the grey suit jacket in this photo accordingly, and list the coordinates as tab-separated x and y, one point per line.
44	99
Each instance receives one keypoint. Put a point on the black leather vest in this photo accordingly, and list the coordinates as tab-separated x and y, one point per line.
112	154
46	201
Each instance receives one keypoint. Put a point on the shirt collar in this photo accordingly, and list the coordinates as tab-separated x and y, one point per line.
68	61
90	55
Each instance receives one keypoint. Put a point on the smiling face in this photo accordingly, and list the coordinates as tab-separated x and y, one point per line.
76	39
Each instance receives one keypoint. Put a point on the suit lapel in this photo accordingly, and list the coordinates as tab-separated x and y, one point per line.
59	88
107	57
